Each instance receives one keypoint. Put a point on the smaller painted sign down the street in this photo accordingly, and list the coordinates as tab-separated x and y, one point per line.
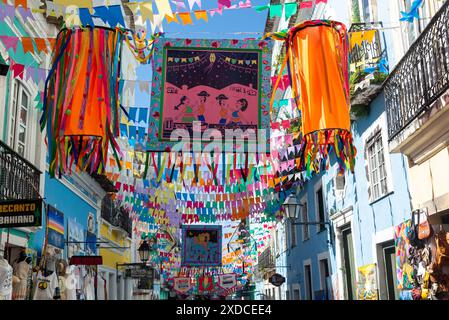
277	280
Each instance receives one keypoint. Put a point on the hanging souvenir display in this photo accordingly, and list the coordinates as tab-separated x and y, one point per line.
81	102
317	59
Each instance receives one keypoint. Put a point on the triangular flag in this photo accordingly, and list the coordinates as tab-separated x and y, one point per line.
170	20
146	11
9	42
41	45
290	9
157	23
133	6
22	3
201	14
163	6
192	2
226	3
179	4
185	18
275	10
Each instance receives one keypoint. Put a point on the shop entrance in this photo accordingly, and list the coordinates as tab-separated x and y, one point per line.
12	252
389	266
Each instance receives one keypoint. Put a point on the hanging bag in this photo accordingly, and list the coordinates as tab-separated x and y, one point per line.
412	234
424	229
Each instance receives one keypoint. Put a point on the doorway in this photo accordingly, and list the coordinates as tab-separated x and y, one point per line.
389	257
349	263
308	281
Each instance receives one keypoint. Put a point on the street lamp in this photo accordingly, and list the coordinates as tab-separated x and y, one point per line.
144	251
292	207
292	210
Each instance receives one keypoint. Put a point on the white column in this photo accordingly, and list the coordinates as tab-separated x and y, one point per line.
119	289
112	294
128	289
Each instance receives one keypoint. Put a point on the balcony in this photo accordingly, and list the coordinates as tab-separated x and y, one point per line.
116	216
368	64
416	91
266	263
19	179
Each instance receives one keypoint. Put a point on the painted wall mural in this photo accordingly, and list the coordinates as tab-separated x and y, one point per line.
201	245
222	84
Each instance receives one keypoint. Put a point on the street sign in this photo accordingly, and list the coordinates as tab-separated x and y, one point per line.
139	271
277	280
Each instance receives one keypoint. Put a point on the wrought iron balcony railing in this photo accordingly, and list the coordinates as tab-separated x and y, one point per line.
19	179
421	77
116	216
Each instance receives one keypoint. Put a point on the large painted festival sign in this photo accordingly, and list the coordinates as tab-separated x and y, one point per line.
201	245
214	84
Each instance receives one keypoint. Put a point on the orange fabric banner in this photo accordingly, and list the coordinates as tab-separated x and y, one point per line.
318	64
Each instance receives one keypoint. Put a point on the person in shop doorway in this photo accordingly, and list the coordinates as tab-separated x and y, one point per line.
21	269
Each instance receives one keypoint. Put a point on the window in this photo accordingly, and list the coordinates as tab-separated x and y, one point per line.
19	119
376	167
287	295
292	235
320	207
305	219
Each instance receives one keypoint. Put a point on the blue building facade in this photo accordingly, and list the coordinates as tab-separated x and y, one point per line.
76	200
362	209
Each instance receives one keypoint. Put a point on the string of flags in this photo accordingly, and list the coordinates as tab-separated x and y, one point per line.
290	8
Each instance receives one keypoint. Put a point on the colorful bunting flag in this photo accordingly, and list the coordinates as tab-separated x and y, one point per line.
185	18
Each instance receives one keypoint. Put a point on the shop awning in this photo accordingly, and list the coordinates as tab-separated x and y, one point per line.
86	260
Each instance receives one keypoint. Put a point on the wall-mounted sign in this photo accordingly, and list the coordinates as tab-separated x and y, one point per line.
277	280
182	285
56	228
20	213
139	271
227	281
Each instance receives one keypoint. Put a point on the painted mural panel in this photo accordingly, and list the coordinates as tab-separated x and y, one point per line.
55	228
217	87
367	285
201	245
221	84
402	245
